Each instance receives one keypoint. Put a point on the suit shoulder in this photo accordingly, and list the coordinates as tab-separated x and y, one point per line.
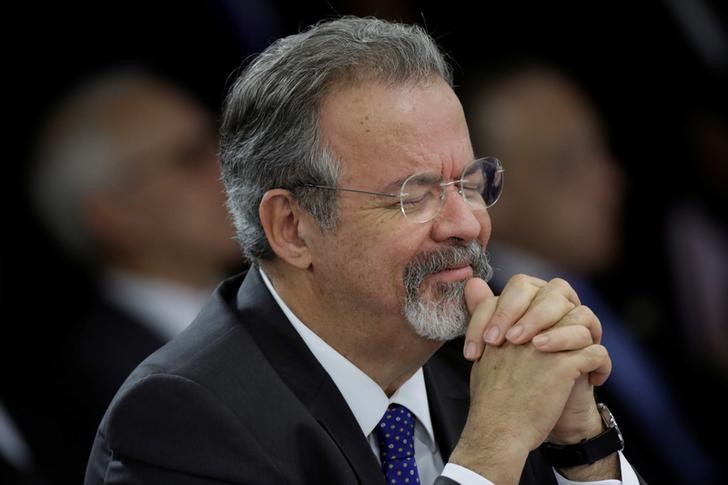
171	422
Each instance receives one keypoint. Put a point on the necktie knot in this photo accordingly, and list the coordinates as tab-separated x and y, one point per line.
395	434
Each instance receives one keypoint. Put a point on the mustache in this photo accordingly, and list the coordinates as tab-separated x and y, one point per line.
454	256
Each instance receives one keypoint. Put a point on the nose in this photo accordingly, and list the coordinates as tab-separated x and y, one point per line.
458	220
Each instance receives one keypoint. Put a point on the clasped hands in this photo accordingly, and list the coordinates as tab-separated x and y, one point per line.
537	355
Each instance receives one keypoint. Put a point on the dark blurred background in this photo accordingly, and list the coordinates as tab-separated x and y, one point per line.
657	71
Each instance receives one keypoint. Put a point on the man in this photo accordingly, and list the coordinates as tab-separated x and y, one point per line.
351	179
127	180
561	218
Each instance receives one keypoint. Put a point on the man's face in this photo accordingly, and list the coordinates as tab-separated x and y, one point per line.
377	266
568	190
170	182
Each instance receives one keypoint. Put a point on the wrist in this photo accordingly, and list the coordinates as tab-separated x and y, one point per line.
500	460
591	426
599	450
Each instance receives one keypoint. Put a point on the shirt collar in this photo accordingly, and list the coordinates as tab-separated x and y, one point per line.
164	307
365	398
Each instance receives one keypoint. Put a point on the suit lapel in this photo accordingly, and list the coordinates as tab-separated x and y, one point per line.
336	417
447	381
303	374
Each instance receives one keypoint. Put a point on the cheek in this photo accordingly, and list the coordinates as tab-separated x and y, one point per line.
375	258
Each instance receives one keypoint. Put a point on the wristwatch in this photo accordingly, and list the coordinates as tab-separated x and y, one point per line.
589	450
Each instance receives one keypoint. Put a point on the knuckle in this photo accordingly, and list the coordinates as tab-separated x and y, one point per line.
601	352
501	314
563	287
584	332
585	315
597	326
565	302
582	314
560	284
583	311
521	279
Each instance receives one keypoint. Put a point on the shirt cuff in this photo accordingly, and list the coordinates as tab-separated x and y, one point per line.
629	477
463	476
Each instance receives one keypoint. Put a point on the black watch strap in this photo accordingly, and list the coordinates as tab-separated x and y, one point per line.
589	450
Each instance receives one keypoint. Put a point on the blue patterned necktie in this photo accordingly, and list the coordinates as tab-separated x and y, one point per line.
396	437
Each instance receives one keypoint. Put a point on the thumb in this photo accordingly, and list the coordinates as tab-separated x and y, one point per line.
476	291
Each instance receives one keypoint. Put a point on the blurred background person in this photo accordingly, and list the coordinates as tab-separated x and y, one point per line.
127	180
561	218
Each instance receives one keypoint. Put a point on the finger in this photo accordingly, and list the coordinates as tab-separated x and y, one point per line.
594	360
543	314
481	303
513	302
585	317
572	337
474	343
562	286
599	378
476	291
553	300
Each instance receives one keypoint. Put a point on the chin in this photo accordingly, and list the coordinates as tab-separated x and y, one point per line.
441	318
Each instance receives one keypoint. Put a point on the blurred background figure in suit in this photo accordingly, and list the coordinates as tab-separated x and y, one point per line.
127	180
561	218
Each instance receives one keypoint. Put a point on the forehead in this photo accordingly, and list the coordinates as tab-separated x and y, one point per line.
549	112
383	132
153	116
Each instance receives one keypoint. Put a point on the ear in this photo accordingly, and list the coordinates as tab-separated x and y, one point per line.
282	221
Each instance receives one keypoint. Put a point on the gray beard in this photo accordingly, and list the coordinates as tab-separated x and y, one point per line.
444	314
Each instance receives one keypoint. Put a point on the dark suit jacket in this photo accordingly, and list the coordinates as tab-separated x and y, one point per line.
239	398
75	358
105	348
101	348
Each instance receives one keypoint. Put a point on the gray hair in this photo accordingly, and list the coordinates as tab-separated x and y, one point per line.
77	156
270	136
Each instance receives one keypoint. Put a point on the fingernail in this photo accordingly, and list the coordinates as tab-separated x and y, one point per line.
514	332
491	336
540	340
470	350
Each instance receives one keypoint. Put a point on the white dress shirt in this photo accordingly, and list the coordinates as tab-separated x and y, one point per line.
164	307
368	403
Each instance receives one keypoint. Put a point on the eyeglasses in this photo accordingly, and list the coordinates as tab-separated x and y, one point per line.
422	195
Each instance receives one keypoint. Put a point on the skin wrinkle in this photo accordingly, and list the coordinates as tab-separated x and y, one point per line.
402	134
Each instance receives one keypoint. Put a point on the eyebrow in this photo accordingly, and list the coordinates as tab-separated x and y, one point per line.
396	185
